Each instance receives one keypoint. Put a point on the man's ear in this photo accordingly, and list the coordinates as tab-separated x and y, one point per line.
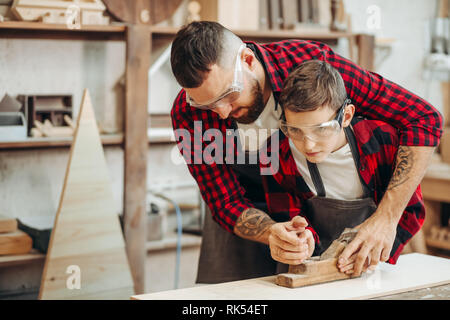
248	57
349	112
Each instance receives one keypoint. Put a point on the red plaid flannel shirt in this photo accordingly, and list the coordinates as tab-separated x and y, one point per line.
374	97
286	191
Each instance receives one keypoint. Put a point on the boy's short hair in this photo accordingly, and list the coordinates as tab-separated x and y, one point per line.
311	85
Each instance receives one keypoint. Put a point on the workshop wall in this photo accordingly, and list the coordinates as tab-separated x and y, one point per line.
407	22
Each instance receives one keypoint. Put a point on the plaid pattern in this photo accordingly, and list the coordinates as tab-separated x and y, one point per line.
286	191
374	97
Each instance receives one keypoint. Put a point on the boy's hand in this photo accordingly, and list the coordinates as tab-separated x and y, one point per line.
290	242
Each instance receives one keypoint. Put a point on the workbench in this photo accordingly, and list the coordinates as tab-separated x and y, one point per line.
413	272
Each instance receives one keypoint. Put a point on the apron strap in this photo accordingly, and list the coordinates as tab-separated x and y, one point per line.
316	179
314	171
351	139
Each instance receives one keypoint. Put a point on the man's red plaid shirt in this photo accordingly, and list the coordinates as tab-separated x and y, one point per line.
375	97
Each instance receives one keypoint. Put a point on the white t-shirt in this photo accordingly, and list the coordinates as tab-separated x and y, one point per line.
267	120
338	172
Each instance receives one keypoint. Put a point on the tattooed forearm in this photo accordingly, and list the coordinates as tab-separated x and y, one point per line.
405	161
253	224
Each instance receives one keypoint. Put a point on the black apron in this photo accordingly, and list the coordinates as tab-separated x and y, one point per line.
329	217
227	257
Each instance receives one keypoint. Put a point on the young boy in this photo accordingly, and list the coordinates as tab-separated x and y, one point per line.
334	168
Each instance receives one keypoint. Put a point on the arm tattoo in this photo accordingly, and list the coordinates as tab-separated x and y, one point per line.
405	159
252	223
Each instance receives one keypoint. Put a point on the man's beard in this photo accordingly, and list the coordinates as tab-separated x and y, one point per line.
256	107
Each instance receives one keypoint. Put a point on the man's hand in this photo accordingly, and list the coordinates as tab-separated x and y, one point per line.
290	242
377	234
372	244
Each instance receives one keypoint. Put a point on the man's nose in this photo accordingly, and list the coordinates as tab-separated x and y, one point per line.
223	110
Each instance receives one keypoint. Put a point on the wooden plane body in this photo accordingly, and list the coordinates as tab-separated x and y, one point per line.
318	269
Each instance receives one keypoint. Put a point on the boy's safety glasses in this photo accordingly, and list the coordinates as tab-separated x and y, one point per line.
318	132
231	94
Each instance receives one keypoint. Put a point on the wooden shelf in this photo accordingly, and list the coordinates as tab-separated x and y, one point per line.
24	29
267	34
31	143
39	30
436	182
11	260
170	242
439	244
107	140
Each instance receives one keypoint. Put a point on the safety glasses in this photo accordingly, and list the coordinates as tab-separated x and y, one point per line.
231	94
318	132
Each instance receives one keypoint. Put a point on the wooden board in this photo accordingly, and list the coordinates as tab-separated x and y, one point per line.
142	11
17	242
136	149
445	89
87	232
412	271
290	13
55	11
310	273
7	224
445	145
234	14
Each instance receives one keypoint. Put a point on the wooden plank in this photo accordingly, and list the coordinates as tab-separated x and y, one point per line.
142	11
275	14
366	49
135	150
314	267
7	224
13	260
436	189
86	231
158	31
412	271
39	26
445	89
311	272
48	142
445	144
290	13
291	280
16	242
38	30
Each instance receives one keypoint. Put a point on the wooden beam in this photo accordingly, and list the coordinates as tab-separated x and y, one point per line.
366	49
135	149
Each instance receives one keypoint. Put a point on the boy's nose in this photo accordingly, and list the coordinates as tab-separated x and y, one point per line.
223	110
308	144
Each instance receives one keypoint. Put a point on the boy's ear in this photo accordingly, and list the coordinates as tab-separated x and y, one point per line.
348	115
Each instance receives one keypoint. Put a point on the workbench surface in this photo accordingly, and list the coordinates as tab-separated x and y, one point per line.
412	272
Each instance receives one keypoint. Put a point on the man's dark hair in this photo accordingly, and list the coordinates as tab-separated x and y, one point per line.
196	47
311	85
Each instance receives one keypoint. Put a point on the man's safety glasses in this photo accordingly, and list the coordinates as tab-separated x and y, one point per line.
231	94
318	132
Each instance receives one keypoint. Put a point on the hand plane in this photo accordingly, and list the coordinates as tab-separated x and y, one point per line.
318	269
